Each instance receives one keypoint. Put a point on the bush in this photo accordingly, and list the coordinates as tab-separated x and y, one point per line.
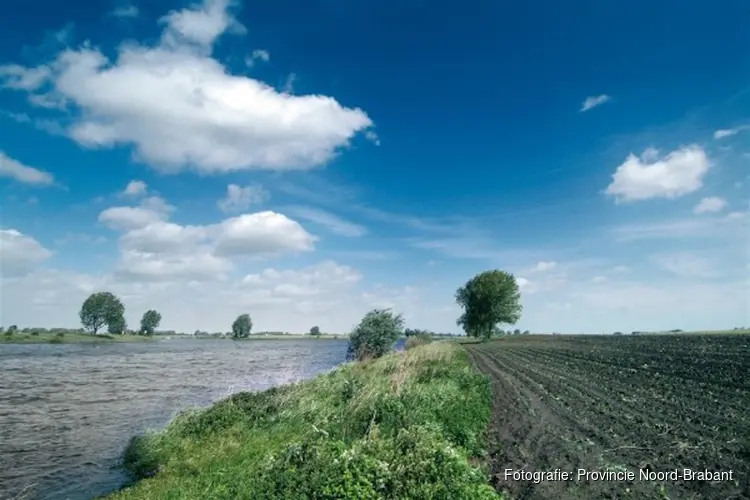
35	333
375	334
60	334
8	332
417	340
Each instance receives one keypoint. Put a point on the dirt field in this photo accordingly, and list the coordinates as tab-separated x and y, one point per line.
651	403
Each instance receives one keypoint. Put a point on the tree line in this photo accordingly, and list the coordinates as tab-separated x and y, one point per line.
489	299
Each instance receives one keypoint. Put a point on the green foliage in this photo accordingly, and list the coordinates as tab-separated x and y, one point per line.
409	425
150	322
101	308
488	298
12	329
117	325
315	331
413	332
8	332
375	334
417	340
242	326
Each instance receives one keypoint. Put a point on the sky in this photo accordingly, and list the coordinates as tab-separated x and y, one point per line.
306	162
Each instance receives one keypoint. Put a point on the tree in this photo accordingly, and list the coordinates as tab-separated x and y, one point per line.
375	334
242	326
150	322
101	308
315	331
516	332
117	325
488	298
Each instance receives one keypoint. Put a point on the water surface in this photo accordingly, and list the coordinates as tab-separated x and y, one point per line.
67	411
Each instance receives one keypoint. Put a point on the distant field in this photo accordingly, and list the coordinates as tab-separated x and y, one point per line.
629	402
69	338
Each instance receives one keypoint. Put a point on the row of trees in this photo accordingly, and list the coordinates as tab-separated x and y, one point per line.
106	309
489	299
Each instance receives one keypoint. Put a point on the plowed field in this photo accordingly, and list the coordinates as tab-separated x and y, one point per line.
643	403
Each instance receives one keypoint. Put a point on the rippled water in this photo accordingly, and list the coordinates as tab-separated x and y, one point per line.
68	411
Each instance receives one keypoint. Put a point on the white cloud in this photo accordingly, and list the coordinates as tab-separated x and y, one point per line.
19	253
707	227
152	248
685	264
722	133
594	101
677	174
544	266
711	204
16	170
135	188
310	281
240	198
126	11
152	209
333	222
257	55
262	234
14	76
181	109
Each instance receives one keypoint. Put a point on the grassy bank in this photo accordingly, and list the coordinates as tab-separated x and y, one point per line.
69	338
409	425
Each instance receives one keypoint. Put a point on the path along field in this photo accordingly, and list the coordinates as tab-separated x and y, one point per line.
651	402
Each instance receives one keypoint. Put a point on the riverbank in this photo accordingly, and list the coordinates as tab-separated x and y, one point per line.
70	338
409	425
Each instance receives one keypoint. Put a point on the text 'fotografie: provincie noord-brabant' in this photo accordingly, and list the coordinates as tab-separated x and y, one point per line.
618	475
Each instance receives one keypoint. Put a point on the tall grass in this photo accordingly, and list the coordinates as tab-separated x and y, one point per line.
403	426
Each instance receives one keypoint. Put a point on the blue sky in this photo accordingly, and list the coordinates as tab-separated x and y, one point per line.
308	161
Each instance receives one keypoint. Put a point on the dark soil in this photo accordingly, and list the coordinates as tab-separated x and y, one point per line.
619	403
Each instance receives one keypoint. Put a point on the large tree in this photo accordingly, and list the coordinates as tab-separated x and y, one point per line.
101	308
375	334
488	299
150	322
242	326
315	331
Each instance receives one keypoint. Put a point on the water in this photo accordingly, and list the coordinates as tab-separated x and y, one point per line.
67	411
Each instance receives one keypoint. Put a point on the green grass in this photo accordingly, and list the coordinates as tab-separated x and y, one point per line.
409	425
69	338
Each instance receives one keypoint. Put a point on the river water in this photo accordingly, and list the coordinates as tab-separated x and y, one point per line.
67	411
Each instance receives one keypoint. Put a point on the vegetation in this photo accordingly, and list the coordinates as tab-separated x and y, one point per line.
118	325
150	322
489	298
100	309
315	331
242	326
417	340
61	336
598	402
408	425
375	335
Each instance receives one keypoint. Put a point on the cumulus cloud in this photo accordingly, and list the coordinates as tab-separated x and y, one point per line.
641	178
17	171
593	101
154	248
261	234
181	109
19	253
240	198
332	222
712	204
135	188
152	209
307	282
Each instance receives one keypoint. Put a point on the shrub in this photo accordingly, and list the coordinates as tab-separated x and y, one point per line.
35	333
8	332
418	340
375	334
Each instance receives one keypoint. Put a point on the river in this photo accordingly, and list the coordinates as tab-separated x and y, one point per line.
67	411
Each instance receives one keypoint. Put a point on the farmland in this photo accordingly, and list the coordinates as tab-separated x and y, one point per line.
620	403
